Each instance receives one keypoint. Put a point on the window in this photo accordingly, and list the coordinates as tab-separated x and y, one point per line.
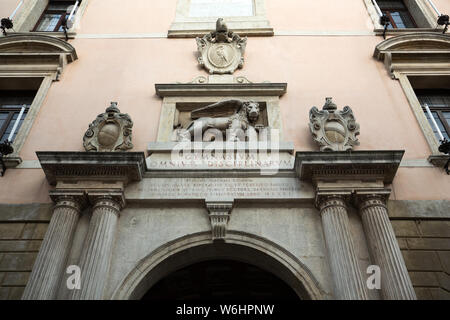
219	8
195	18
11	105
398	14
54	16
439	103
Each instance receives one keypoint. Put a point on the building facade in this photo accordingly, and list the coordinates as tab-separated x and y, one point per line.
170	149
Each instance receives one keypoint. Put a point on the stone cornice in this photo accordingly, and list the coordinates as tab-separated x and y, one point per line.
356	165
219	89
92	166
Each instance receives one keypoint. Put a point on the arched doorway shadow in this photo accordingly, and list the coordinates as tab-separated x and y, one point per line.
197	248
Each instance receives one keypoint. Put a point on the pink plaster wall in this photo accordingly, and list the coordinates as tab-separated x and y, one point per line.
315	67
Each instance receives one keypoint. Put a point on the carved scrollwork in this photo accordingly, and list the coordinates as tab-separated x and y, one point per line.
110	131
332	129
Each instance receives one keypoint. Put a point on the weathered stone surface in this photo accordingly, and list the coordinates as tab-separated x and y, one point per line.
50	262
405	228
110	131
423	293
395	281
444	280
428	244
17	261
16	278
348	281
11	230
26	212
19	245
221	51
439	294
4	293
16	293
234	188
96	255
444	257
435	228
419	209
333	130
422	261
35	231
424	279
402	243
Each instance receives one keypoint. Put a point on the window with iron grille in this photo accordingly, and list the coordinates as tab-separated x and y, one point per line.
438	101
53	16
11	104
398	14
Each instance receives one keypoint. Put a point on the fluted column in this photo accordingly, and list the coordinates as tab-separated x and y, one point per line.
395	281
96	255
52	257
347	278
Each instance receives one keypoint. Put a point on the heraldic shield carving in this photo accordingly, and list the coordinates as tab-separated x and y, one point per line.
111	131
332	129
221	51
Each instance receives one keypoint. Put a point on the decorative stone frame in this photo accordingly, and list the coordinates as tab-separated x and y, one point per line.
265	93
30	12
421	54
191	27
421	11
32	56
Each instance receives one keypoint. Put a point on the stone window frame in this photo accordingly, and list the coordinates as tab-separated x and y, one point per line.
417	55
198	93
421	11
190	27
30	12
27	64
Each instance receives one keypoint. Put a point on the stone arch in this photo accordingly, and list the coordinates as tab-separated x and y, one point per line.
37	44
198	247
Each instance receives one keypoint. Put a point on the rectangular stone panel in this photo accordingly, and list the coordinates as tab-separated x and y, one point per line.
219	188
428	243
19	245
422	261
405	228
16	279
17	261
11	230
424	279
436	228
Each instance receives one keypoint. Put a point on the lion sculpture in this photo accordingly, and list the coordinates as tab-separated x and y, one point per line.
238	127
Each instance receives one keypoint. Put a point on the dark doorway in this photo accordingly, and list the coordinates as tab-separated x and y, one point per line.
220	280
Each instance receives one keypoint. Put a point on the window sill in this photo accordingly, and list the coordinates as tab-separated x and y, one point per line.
59	35
12	161
438	160
395	32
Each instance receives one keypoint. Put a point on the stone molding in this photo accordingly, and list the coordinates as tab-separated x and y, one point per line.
113	201
355	165
415	52
220	89
219	215
92	166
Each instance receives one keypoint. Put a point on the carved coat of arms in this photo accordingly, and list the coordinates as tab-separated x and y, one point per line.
221	51
110	131
332	129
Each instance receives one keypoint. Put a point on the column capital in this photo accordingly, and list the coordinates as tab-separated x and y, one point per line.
113	200
368	198
331	199
72	199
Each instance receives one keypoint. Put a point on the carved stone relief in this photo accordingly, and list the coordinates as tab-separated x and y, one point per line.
111	131
221	51
230	120
332	129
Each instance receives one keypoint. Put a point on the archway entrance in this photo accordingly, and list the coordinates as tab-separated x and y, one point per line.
221	280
